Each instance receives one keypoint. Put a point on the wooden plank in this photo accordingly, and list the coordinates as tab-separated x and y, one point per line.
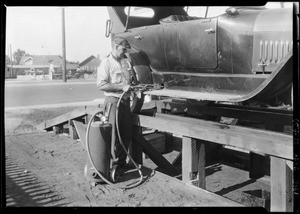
80	112
189	167
77	113
178	159
154	155
193	162
281	185
268	116
72	131
56	129
260	141
81	131
157	140
257	162
201	177
149	105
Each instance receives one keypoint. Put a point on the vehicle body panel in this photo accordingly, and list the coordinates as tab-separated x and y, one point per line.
246	56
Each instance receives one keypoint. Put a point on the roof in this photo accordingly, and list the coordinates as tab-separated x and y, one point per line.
71	66
32	66
42	59
89	59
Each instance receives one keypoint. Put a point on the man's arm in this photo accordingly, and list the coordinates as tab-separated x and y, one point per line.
111	87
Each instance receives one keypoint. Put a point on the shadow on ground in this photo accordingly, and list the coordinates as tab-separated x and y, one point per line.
24	190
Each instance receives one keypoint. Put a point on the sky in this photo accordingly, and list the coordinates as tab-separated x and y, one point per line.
38	31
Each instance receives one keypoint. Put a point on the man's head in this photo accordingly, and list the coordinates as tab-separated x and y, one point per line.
120	46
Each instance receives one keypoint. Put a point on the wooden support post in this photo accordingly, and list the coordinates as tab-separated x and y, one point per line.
281	185
72	131
57	129
193	161
257	162
153	154
86	119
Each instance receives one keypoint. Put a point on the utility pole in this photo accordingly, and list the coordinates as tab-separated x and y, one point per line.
64	67
11	67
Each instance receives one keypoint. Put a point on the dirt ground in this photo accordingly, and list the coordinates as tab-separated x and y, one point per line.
45	170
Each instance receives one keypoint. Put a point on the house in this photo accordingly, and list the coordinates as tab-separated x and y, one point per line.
50	65
90	65
39	64
9	73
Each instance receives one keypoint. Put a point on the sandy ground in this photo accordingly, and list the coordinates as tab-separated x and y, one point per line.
44	169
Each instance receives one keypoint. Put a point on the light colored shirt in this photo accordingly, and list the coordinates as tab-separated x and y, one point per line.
110	71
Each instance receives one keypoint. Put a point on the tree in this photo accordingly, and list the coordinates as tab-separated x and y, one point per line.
18	54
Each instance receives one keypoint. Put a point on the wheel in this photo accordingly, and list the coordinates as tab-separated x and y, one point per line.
136	102
140	72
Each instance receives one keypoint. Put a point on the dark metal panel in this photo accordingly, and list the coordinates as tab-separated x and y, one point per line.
149	39
190	44
197	43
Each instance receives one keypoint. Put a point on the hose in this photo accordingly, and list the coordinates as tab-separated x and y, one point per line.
121	142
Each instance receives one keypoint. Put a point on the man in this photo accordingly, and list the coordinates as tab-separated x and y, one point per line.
113	79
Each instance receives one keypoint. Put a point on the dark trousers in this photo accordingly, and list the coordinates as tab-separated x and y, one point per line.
125	128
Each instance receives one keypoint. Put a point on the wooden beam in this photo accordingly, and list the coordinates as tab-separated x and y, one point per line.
260	141
72	131
247	113
154	155
81	130
80	112
257	165
281	185
56	129
193	162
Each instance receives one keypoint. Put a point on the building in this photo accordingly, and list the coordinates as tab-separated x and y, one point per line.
50	65
90	65
9	73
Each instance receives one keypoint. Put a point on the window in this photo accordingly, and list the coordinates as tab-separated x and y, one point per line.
140	12
279	4
205	11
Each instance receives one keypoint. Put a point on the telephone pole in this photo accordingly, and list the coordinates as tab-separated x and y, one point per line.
64	67
11	59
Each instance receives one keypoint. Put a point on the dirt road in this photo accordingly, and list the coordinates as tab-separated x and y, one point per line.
44	169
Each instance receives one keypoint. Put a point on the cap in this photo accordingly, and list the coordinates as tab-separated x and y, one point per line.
122	42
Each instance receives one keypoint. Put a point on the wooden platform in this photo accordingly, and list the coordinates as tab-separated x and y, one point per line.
196	134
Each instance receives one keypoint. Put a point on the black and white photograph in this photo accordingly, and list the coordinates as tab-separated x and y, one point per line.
150	106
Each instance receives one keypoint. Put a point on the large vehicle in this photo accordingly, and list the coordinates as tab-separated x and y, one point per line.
244	55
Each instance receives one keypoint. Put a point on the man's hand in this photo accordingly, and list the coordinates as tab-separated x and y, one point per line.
127	88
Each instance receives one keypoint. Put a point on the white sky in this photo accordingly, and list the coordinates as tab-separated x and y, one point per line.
38	31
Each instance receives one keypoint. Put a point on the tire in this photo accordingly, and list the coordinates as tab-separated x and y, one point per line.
140	73
136	102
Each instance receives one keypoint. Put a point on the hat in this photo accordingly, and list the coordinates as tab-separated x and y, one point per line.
122	42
